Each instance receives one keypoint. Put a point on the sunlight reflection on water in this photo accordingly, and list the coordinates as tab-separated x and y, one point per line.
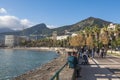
17	62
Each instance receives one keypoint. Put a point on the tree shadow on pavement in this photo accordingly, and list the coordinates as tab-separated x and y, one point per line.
96	72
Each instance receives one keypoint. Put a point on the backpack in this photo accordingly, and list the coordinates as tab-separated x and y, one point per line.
72	61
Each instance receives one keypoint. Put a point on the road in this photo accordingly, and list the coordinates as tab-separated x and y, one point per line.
107	68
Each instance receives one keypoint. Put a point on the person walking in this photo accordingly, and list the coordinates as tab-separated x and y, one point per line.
77	67
98	51
73	63
85	58
102	52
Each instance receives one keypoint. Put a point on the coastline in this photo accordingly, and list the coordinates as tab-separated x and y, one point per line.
46	71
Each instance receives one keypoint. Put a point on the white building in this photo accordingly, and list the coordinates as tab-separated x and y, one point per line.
62	37
66	36
11	40
54	35
111	27
74	34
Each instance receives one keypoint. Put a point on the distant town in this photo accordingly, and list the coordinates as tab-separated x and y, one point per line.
16	41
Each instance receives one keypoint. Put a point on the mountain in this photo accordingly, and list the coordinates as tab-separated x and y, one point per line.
61	30
36	29
42	29
5	30
89	22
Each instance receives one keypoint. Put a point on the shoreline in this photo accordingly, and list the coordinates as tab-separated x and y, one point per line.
47	69
32	48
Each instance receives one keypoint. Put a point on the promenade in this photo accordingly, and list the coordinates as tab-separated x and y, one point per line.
107	68
101	69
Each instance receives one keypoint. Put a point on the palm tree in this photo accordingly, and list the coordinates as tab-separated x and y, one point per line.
104	38
87	31
89	41
117	31
96	32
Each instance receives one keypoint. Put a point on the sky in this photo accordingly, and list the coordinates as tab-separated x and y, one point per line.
19	14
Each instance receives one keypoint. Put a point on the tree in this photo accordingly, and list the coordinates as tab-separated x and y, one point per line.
77	41
87	31
96	32
117	31
104	39
118	41
89	41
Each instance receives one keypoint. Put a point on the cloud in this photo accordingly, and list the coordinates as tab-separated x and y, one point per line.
26	22
2	10
14	22
51	26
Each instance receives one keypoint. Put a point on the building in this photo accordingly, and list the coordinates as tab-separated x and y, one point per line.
2	41
111	27
36	37
74	34
62	37
54	35
23	38
11	40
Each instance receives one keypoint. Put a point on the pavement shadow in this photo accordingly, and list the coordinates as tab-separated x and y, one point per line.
114	70
95	72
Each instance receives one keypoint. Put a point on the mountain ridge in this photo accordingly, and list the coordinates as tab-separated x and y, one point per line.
88	22
44	30
6	30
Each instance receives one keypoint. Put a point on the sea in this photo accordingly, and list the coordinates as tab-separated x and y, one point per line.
14	62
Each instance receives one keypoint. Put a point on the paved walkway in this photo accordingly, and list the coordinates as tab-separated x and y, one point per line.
66	73
94	71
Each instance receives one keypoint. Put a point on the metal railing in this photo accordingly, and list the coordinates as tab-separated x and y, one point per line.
56	75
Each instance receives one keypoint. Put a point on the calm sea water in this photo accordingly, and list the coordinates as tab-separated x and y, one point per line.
17	62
